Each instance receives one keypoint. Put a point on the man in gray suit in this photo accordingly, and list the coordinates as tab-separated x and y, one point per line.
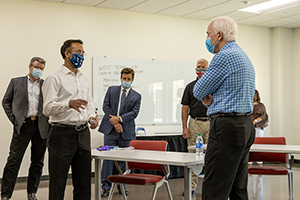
23	105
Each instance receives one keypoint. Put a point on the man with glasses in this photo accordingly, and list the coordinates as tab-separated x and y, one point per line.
22	104
69	105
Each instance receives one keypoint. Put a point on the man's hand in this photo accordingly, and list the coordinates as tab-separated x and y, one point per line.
93	121
114	119
118	128
78	103
186	133
208	100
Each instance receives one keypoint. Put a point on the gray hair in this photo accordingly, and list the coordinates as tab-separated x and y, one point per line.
202	60
227	26
38	59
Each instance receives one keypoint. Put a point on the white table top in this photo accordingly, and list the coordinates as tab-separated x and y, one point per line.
295	149
271	148
157	157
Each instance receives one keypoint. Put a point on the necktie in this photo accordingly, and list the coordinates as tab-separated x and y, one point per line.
123	97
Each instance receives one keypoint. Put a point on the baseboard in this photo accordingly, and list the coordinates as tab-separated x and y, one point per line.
43	178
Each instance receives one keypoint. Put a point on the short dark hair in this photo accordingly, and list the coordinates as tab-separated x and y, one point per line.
67	44
38	59
257	96
127	70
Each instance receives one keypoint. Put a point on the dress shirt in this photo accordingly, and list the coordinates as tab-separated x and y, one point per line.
127	90
33	97
61	87
230	78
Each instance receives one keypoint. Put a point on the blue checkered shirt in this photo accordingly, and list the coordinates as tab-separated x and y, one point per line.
230	78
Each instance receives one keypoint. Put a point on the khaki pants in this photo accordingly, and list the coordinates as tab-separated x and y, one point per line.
195	127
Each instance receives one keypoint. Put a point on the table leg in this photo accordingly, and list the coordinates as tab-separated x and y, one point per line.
97	179
187	183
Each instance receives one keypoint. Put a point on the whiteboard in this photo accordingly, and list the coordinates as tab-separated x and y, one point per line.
161	84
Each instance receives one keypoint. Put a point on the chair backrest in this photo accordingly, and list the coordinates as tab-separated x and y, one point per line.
140	129
147	145
268	157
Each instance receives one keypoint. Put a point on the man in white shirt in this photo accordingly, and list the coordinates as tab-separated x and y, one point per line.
69	105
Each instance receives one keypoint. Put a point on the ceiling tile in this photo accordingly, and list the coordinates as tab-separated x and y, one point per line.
120	4
85	2
154	6
224	7
280	22
53	0
202	9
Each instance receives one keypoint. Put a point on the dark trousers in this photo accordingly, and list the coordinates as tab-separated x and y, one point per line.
29	132
226	158
108	168
68	147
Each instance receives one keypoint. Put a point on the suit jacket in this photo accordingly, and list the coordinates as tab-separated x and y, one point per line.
15	105
130	111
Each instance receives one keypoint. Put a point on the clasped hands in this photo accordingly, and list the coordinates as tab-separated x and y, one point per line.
80	104
115	121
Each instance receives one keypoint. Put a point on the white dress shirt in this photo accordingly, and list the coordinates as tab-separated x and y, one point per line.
33	89
121	92
61	87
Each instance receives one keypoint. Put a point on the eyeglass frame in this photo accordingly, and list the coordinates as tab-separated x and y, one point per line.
79	52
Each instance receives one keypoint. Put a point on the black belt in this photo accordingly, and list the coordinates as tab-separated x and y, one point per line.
228	115
204	119
77	128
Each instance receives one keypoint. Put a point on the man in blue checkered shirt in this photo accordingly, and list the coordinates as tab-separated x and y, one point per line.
227	89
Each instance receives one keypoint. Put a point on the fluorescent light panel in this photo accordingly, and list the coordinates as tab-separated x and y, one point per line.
267	6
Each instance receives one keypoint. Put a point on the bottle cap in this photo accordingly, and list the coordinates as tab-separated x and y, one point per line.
199	134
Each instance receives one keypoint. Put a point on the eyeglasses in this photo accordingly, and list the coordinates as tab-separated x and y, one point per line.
79	52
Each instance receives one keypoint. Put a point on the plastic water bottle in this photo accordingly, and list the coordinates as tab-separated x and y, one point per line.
199	145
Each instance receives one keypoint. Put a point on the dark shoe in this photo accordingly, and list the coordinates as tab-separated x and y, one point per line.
193	193
4	198
120	192
104	193
31	196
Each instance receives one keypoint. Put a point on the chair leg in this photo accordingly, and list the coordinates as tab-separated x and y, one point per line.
123	191
111	193
168	190
290	178
154	192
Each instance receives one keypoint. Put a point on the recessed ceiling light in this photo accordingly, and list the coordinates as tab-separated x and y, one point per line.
259	8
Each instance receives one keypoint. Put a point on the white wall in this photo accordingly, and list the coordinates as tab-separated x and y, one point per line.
33	28
295	94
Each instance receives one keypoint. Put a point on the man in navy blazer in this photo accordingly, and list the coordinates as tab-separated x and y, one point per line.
121	106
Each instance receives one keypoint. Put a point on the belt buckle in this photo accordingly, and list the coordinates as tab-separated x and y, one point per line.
78	128
33	118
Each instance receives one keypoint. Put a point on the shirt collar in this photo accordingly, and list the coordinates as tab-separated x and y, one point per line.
66	70
29	79
228	45
127	89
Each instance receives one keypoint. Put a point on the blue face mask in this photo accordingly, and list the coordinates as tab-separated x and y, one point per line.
210	47
77	60
36	73
126	84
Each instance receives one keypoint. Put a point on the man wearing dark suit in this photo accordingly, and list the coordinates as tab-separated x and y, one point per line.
121	106
23	105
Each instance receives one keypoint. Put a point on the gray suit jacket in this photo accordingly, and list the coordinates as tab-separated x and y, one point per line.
15	105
